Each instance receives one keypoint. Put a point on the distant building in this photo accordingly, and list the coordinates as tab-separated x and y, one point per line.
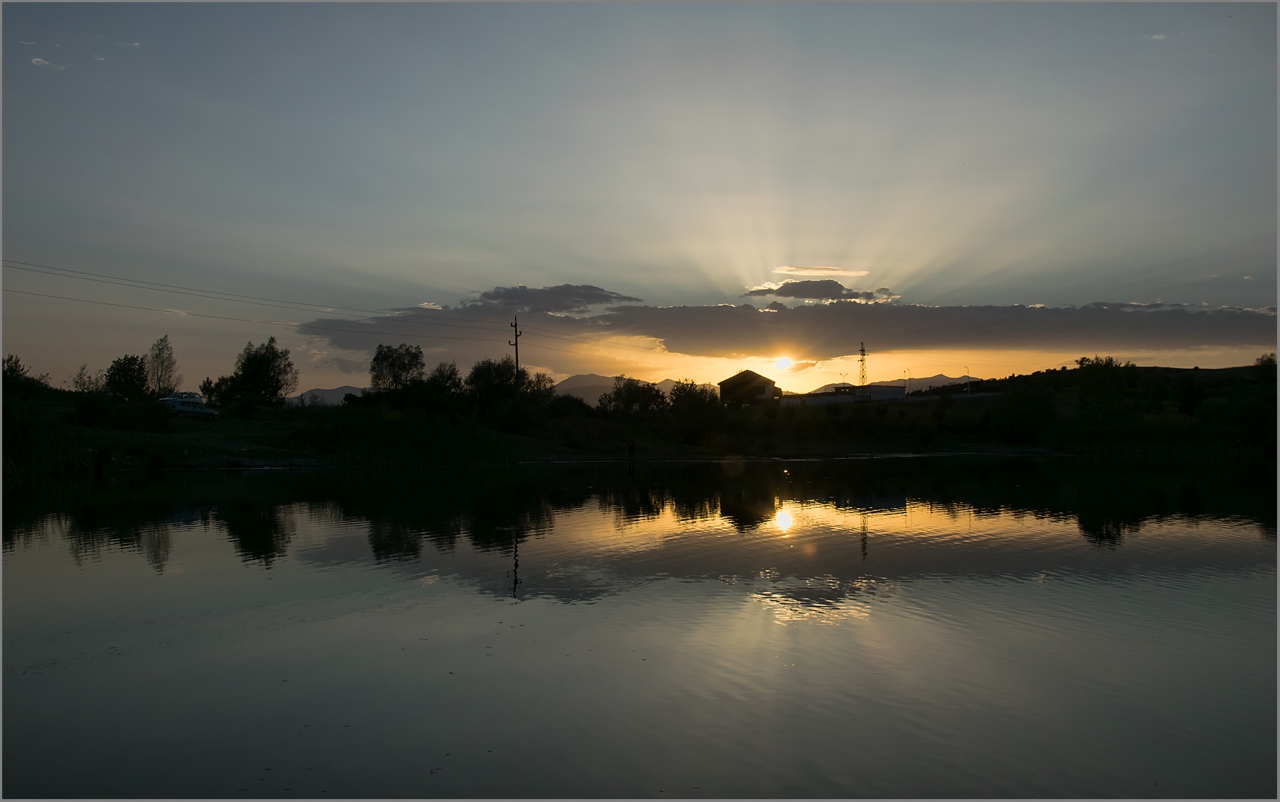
843	393
748	387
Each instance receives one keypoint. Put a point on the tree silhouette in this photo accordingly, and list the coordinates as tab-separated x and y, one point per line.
127	376
396	367
263	373
86	382
162	368
633	397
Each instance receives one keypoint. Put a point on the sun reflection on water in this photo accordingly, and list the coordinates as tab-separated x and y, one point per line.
783	520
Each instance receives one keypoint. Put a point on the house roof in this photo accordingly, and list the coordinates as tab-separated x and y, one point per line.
745	377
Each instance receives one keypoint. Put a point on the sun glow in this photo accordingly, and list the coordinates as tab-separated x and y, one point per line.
783	363
783	520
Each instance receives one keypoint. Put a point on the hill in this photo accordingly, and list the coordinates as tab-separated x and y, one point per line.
331	397
590	386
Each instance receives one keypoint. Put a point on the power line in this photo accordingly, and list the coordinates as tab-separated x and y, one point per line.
215	295
285	324
302	306
294	326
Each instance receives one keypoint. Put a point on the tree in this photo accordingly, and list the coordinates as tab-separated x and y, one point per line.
695	409
85	382
396	367
162	368
446	379
14	369
491	381
263	373
127	376
633	397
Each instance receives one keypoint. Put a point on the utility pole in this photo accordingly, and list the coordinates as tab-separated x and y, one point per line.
966	379
516	343
906	388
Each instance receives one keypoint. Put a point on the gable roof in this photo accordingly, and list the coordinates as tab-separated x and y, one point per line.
745	377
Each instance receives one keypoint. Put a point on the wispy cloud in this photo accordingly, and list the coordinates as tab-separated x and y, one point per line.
428	305
818	270
133	44
1156	36
99	58
27	43
39	62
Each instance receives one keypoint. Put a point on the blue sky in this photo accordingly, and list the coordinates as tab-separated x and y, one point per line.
384	156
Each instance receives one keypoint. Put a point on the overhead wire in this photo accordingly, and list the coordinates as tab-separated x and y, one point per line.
177	289
295	326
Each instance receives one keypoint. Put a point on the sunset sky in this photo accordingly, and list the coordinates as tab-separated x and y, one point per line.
665	190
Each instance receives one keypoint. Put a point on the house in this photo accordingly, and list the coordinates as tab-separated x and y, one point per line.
748	387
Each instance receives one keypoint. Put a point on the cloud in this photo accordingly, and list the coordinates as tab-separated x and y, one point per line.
133	44
428	305
796	367
828	331
39	62
816	270
27	43
815	332
563	298
99	58
1155	36
322	359
819	290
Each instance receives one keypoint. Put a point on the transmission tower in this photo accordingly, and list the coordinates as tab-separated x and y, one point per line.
863	392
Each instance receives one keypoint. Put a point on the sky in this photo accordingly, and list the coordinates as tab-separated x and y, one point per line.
661	190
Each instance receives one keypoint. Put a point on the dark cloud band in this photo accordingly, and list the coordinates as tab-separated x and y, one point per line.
811	332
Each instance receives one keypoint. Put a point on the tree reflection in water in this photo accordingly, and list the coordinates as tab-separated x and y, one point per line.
495	512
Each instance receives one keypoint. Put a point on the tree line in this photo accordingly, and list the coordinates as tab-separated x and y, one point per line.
515	399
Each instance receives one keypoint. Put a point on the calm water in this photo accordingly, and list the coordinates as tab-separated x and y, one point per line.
880	628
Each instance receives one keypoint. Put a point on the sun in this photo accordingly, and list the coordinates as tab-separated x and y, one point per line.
783	363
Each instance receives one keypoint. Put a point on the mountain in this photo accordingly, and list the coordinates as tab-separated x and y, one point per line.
925	382
883	390
587	386
329	397
590	386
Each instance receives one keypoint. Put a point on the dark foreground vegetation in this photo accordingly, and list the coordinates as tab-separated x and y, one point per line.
498	413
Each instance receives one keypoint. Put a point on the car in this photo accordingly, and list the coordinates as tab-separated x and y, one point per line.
189	405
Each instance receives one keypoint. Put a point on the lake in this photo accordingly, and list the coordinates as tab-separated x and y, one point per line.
886	627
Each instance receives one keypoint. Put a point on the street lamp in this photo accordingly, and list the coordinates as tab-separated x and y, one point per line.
966	379
906	388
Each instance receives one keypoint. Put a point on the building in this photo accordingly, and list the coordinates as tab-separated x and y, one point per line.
843	393
748	387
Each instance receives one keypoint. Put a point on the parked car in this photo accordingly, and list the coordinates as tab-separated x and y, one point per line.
189	405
